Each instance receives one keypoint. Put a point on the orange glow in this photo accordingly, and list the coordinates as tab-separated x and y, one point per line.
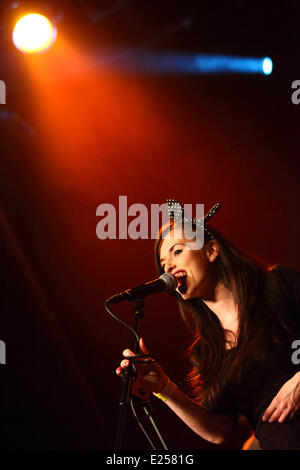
91	120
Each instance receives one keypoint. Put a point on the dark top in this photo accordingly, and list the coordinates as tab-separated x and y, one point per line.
263	378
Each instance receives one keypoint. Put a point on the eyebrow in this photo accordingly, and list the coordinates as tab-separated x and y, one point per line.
170	249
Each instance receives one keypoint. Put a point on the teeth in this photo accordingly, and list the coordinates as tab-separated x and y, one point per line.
180	274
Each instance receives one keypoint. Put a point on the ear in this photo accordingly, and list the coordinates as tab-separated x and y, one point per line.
212	251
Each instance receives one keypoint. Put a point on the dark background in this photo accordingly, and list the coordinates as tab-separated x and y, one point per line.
75	135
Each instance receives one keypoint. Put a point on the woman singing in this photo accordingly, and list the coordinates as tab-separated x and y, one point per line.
246	326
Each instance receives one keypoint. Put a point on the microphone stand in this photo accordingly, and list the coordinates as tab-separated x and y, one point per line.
126	392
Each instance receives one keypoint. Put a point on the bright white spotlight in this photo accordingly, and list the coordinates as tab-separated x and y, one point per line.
267	66
34	33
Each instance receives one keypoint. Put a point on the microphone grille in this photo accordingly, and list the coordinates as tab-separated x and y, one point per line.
170	280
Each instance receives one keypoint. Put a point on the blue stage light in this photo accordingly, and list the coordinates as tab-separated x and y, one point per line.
161	63
267	66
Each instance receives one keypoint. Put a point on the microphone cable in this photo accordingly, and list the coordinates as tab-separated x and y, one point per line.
138	359
151	359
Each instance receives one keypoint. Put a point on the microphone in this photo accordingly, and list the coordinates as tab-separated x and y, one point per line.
166	282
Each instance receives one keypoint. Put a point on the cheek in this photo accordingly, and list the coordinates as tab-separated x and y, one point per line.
198	267
187	259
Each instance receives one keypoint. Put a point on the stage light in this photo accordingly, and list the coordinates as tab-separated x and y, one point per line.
267	66
187	64
34	33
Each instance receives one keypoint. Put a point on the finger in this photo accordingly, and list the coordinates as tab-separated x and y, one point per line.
271	408
143	347
121	372
293	412
269	411
284	415
124	363
277	413
128	352
290	413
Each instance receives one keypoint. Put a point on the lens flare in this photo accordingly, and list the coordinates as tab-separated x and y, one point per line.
34	33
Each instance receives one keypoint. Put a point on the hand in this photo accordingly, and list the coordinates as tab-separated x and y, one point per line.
286	403
151	375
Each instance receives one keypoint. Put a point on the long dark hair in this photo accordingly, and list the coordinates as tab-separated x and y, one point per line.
213	366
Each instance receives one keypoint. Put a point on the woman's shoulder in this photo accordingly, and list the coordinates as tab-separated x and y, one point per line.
284	272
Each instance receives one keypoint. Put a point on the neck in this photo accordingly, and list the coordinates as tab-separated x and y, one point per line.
222	303
221	299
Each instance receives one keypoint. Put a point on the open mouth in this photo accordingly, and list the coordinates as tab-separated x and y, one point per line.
182	285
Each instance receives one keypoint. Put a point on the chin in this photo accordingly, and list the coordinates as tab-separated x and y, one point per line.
185	296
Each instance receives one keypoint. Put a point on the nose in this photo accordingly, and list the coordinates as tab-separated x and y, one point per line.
169	267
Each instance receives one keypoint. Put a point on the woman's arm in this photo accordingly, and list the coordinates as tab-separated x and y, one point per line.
213	427
286	403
